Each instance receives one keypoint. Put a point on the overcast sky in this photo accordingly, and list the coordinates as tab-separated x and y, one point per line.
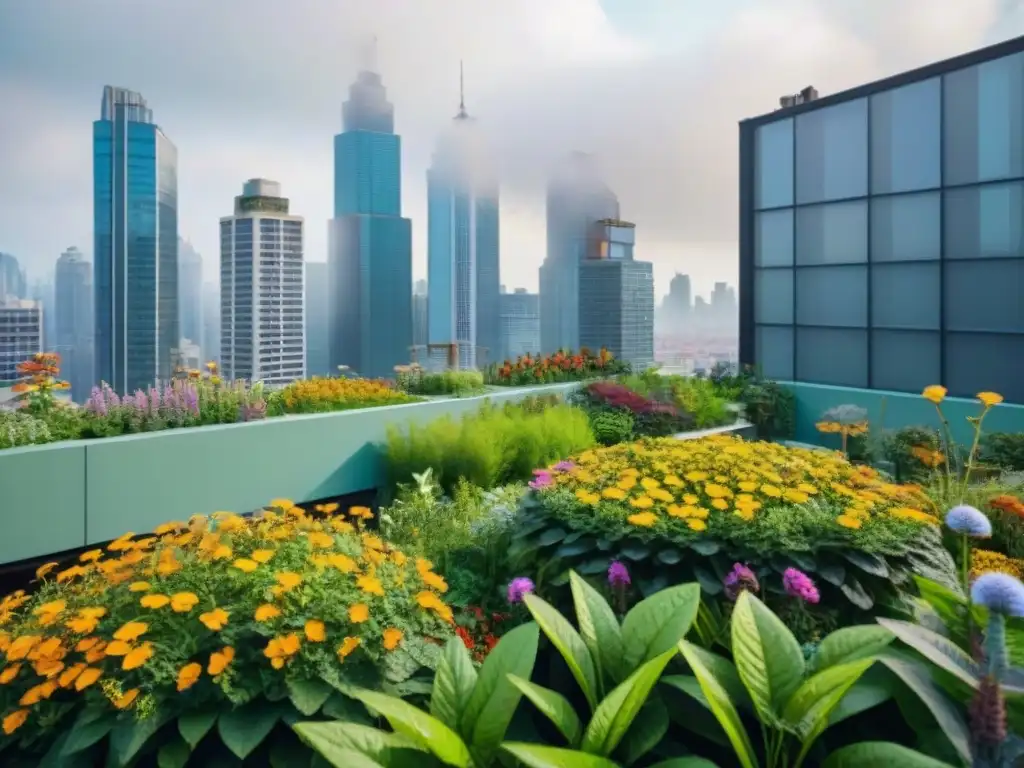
654	87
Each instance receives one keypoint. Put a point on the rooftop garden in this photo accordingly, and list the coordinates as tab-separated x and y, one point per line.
562	582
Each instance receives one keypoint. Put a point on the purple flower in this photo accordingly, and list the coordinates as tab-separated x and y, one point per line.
541	479
519	588
798	584
564	466
969	521
618	574
740	579
999	592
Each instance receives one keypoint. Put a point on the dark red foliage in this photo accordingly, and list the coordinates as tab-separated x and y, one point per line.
617	396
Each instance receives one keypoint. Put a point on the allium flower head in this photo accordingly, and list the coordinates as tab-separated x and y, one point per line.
999	592
798	584
740	579
618	574
519	588
969	521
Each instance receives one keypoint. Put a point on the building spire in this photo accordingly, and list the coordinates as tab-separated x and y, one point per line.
369	63
462	95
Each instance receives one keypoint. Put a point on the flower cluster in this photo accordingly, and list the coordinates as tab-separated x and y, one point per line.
1009	504
339	393
799	585
223	603
561	366
39	380
480	631
986	561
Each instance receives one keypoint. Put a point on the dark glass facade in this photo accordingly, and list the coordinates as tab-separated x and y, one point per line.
882	232
74	323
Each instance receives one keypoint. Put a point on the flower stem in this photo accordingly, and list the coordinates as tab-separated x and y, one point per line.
971	455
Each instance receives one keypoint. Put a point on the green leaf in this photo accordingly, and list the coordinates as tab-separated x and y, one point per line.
646	732
852	643
427	732
244	728
918	678
937	649
453	684
856	594
809	708
635	550
834	574
330	739
537	756
551	536
768	657
685	762
656	624
194	725
173	754
721	706
669	556
708	581
874	688
492	704
599	629
724	672
879	753
90	727
705	547
568	643
615	714
308	695
554	706
130	735
867	562
341	707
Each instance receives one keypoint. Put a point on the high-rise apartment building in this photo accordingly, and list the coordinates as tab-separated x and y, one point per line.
210	345
12	278
520	324
576	198
135	210
370	243
190	292
261	275
318	348
21	334
73	324
463	251
881	232
616	295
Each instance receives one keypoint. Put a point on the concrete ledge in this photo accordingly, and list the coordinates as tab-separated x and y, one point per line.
739	428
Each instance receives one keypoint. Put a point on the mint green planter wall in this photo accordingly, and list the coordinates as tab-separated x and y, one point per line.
900	410
73	494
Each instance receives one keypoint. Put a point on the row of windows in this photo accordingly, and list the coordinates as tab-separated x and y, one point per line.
962	128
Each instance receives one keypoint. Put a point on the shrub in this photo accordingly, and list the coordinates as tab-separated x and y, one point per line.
611	425
493	446
414	380
704	399
771	408
914	452
247	620
22	428
680	510
561	366
1003	449
319	395
650	417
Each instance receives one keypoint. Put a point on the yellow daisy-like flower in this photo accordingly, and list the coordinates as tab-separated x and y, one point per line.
847	521
934	393
358	613
392	637
245	565
988	399
188	676
348	645
261	556
642	502
138	656
616	494
154	601
126	699
315	631
696	524
219	661
643	519
214	620
131	631
183	602
266	612
371	585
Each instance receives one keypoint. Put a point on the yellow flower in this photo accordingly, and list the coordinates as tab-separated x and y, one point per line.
721	504
370	585
189	676
660	494
136	657
747	486
222	552
131	631
14	721
716	491
9	673
126	699
343	563
282	648
87	677
91	555
266	612
48	612
772	491
260	556
214	620
154	601
626	483
935	393
616	494
988	399
643	519
848	521
288	579
219	660
392	637
435	581
139	586
696	476
642	502
587	497
358	613
246	565
44	569
649	483
696	524
315	631
797	497
320	540
69	675
348	645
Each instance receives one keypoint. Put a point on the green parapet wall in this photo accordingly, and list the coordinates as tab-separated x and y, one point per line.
892	410
73	494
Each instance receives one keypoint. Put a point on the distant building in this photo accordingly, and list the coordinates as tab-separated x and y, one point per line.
135	210
463	249
370	243
190	292
261	275
21	335
617	296
576	198
73	324
318	349
44	292
211	323
12	278
520	324
419	321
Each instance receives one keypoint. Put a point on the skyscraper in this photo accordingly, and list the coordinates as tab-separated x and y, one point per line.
261	274
12	278
370	244
463	253
135	210
73	324
211	323
520	324
419	320
318	351
576	198
21	334
190	292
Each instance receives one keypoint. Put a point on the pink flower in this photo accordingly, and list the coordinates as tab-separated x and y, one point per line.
798	584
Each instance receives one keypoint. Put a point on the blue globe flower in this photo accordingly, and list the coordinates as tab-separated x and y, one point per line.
999	592
969	521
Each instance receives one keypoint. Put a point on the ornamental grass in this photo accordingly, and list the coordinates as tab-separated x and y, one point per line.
318	395
691	509
219	615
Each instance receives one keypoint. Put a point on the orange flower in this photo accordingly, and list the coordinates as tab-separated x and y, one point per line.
260	556
371	585
935	393
9	673
44	569
288	580
282	648
392	637
320	540
136	657
183	602
358	613
189	676
219	660
87	677
14	721
126	700
131	631
91	555
266	612
154	601
69	675
348	645
139	586
315	632
214	620
343	563
434	580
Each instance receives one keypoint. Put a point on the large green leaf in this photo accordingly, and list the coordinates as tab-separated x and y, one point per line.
130	735
427	732
537	756
809	708
568	643
874	688
554	706
850	644
493	702
194	725
91	725
866	754
723	670
937	649
174	754
768	657
656	624
243	729
336	741
615	713
721	706
599	629
453	684
646	732
308	695
918	678
690	761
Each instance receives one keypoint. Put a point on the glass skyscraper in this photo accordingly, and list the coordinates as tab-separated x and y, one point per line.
74	322
135	209
190	292
463	251
370	244
577	197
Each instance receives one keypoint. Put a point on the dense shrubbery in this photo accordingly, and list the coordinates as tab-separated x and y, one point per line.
1004	450
415	380
338	393
561	366
248	620
703	399
618	413
22	428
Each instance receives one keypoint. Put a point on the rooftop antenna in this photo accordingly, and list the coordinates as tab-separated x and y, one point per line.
462	95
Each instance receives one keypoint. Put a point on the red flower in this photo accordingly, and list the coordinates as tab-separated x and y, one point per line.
465	637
